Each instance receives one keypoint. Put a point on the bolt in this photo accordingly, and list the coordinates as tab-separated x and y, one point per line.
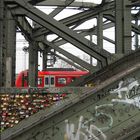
124	129
132	120
112	132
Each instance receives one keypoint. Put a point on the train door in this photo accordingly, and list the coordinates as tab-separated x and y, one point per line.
49	81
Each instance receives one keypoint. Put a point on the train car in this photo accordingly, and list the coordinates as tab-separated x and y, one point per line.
50	78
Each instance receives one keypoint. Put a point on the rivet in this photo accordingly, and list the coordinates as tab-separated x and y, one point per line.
132	121
129	114
112	131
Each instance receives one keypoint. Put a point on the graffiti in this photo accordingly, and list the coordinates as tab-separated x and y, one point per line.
127	93
103	114
83	132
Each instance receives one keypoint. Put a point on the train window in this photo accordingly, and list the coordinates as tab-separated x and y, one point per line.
61	80
47	81
52	80
39	81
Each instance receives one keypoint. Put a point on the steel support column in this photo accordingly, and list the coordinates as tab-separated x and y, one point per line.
136	37
100	30
1	42
123	26
44	62
33	64
10	49
91	61
100	33
127	26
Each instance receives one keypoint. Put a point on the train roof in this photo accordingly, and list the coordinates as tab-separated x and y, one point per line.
77	72
62	72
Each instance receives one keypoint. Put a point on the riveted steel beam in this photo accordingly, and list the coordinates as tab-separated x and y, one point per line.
60	8
44	59
24	26
100	30
10	39
135	28
136	37
33	64
64	3
2	45
123	27
36	90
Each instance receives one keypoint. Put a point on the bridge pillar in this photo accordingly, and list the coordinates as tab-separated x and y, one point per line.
11	49
100	34
33	64
100	30
2	73
44	62
123	26
136	37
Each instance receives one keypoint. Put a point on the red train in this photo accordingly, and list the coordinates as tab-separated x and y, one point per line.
50	78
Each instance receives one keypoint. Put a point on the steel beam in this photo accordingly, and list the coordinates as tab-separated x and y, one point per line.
33	64
70	56
63	3
2	43
134	27
60	8
44	61
127	27
100	30
50	90
123	27
10	49
24	26
137	45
